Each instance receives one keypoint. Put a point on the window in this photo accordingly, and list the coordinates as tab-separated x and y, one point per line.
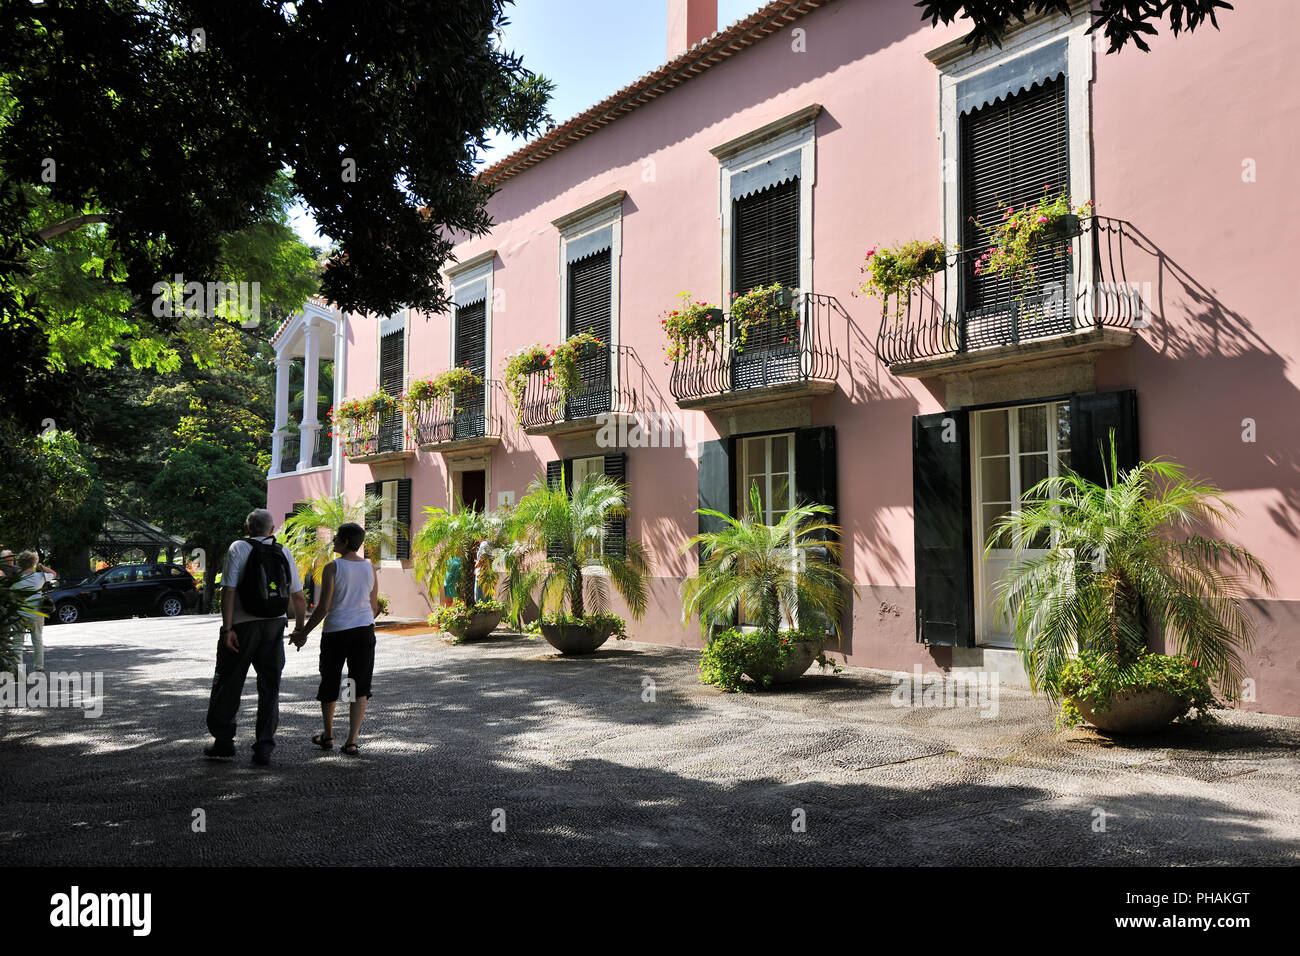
392	378
590	294
394	505
152	573
469	420
117	576
575	472
766	226
767	463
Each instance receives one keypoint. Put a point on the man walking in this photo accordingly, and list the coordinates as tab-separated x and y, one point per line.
34	577
259	584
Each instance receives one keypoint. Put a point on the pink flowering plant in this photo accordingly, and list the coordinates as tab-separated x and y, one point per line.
530	358
691	328
765	304
356	420
1015	239
564	361
900	271
423	392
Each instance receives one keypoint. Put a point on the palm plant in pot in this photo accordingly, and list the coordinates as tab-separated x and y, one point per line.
570	566
452	540
784	577
1119	564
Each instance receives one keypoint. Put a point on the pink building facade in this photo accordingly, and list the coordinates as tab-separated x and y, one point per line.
782	149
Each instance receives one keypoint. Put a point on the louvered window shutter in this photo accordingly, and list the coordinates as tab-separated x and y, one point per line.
590	309
766	227
616	528
469	420
555	474
403	518
1010	150
373	489
392	379
942	529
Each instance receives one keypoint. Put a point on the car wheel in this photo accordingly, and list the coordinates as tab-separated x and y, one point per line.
65	612
171	606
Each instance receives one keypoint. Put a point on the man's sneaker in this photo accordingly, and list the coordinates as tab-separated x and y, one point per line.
221	750
262	757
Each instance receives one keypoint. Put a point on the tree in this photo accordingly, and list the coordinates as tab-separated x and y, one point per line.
204	492
767	570
1120	20
193	107
1122	558
49	478
566	536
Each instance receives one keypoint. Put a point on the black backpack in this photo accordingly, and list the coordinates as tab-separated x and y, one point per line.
264	586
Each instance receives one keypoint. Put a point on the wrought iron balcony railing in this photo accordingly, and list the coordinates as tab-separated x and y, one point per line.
470	414
791	347
1077	283
606	387
379	435
289	447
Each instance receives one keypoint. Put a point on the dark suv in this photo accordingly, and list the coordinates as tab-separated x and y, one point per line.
122	591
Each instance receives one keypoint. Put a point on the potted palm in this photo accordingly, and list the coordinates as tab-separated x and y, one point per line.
786	579
570	568
1123	562
454	537
309	532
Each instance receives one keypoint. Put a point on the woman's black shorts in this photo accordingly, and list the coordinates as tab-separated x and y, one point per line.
356	647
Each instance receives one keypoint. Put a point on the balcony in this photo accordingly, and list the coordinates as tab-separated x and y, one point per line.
788	356
606	373
377	440
1077	300
468	421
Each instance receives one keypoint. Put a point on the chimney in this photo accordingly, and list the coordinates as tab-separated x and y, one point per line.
689	22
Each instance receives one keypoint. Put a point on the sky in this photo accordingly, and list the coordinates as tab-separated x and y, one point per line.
589	48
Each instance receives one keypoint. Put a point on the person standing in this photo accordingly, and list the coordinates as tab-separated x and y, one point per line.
33	576
8	568
259	584
349	601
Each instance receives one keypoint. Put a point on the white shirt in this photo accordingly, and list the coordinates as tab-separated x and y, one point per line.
350	599
236	558
34	581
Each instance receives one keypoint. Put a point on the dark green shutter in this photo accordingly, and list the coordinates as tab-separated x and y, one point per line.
404	518
468	418
556	473
1010	150
766	245
590	310
616	528
815	474
373	515
715	478
1092	416
942	528
392	379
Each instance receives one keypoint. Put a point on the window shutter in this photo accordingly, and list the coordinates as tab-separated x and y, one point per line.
372	518
1092	417
404	518
471	337
941	509
1010	150
766	229
392	379
590	310
815	474
717	490
616	528
555	473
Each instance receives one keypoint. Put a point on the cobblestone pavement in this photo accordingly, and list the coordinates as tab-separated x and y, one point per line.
584	769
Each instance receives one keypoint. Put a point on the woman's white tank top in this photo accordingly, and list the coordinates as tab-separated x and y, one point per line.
350	605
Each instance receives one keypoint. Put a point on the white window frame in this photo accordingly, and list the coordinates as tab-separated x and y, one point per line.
955	67
1013	454
797	131
743	453
589	469
594	216
388	511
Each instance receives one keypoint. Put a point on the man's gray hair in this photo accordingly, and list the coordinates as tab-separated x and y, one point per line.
260	522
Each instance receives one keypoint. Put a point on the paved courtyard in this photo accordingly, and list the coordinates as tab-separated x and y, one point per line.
585	765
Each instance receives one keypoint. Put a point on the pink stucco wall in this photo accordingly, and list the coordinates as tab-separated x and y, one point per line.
1170	131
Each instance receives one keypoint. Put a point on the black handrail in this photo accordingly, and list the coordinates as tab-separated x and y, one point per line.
793	345
606	387
468	414
1077	283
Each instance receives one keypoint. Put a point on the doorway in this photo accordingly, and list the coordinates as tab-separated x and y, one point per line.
473	489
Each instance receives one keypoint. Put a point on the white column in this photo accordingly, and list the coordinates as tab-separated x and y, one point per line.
281	411
340	393
310	379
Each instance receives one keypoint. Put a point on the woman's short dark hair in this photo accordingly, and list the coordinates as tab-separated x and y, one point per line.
352	535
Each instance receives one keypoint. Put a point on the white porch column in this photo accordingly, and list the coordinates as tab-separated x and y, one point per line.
310	379
340	393
281	411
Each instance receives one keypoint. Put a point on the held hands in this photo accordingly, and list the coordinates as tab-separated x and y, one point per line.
299	637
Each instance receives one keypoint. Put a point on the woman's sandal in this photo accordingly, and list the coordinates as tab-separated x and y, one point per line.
323	742
351	750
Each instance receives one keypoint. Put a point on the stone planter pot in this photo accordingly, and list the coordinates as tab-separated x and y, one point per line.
574	638
481	624
1133	712
1064	228
801	658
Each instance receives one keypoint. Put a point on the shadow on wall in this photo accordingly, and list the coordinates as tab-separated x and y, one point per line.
1219	372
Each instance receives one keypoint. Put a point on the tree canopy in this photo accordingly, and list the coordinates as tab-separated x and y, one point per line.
1121	21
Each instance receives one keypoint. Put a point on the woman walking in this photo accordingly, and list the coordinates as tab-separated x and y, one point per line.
349	601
